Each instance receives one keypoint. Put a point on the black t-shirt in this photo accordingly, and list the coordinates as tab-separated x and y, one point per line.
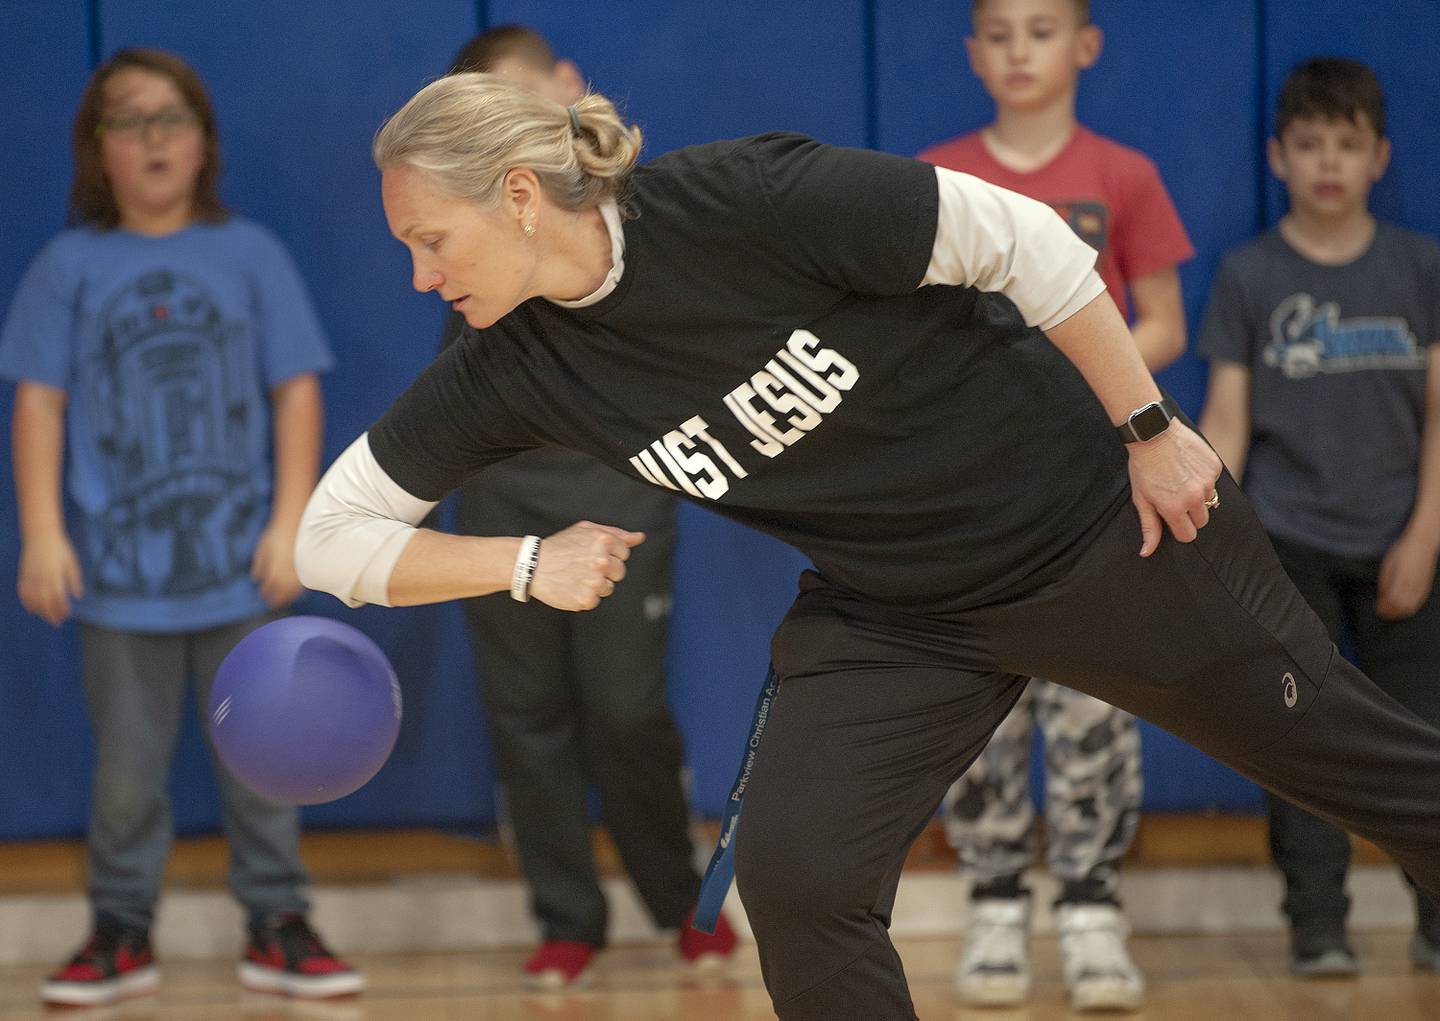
769	353
545	490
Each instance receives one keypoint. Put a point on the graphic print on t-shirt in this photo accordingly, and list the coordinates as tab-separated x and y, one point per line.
1089	220
801	384
1306	338
171	426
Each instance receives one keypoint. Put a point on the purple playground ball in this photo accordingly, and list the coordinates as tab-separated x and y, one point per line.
305	710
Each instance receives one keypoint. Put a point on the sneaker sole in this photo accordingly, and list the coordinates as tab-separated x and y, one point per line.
993	992
708	964
141	982
305	987
1331	964
1109	996
552	980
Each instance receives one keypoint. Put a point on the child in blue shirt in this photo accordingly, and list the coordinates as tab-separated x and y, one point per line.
166	357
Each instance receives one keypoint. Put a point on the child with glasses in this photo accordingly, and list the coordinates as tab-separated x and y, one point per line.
170	352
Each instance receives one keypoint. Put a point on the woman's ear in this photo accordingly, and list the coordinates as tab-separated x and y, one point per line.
520	194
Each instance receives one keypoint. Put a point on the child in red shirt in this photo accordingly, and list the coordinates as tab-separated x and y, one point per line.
1029	55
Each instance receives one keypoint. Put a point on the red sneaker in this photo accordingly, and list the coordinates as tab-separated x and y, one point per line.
112	965
707	952
560	964
286	956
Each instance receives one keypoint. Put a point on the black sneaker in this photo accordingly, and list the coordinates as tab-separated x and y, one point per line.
286	956
1320	950
114	964
1425	952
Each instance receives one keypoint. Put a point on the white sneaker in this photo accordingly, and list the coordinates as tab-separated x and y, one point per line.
993	969
1098	969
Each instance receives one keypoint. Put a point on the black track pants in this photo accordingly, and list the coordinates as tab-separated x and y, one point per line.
879	711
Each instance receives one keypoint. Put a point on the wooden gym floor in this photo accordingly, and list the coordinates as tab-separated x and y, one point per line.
1192	978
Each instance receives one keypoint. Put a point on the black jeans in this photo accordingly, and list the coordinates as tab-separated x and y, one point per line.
880	710
1403	658
575	700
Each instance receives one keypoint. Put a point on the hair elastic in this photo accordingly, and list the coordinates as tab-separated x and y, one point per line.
574	121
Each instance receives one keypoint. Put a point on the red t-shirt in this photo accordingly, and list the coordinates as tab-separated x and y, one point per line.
1110	194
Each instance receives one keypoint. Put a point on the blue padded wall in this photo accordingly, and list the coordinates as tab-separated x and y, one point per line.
44	739
301	88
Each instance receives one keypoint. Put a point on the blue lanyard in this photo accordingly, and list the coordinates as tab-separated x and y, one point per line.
721	871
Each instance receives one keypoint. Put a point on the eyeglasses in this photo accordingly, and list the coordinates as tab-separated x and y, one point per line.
133	126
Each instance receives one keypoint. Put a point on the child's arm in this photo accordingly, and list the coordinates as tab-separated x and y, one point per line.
1408	570
1159	327
49	570
1225	421
297	422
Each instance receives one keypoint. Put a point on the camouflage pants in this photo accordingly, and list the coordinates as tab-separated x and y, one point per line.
1092	802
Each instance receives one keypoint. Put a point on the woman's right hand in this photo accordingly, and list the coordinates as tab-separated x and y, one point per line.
1171	478
49	578
581	565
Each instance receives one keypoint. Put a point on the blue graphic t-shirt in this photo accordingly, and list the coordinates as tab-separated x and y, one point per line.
167	348
1338	356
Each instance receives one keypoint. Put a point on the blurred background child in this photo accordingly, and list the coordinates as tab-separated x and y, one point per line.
166	355
1324	399
1029	55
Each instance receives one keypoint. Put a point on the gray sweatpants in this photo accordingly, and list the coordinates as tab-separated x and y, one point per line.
135	687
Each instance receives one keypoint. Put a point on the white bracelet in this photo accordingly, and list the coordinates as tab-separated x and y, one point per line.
525	563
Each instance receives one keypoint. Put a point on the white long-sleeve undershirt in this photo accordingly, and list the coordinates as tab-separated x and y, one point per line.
995	240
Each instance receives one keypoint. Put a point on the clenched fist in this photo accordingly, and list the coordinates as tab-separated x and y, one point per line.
581	565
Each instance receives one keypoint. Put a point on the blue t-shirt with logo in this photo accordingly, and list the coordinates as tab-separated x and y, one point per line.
166	348
1338	356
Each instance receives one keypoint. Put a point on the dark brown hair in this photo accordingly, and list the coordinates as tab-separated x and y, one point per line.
92	201
496	44
1332	89
1082	10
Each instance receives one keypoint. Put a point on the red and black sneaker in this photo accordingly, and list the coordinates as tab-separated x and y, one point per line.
560	964
114	964
705	951
286	956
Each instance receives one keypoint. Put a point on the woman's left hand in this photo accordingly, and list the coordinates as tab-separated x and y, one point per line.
1171	478
273	567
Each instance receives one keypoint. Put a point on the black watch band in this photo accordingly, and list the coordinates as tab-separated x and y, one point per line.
1147	422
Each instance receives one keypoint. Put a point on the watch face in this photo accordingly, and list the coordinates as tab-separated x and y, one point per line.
1149	422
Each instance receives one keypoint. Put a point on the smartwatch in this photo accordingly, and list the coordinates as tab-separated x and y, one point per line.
1149	421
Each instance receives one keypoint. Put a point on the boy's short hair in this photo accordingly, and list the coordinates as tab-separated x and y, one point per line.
518	42
1082	10
1332	89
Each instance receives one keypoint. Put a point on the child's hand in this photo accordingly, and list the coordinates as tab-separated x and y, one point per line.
273	567
1406	575
49	578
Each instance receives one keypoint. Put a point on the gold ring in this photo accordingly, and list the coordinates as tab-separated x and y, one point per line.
1214	500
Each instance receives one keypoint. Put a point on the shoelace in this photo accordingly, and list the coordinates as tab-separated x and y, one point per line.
1100	946
990	941
101	942
299	940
